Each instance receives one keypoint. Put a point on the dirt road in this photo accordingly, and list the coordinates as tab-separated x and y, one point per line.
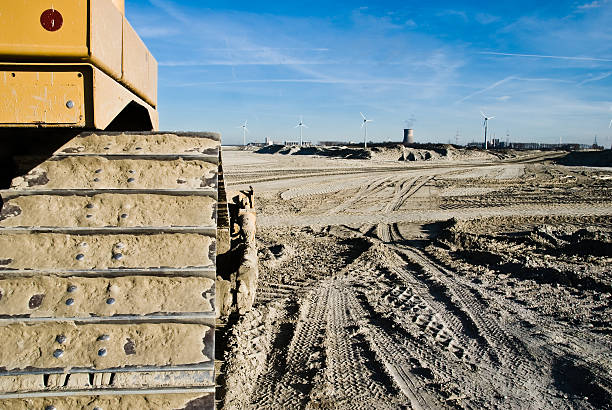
370	295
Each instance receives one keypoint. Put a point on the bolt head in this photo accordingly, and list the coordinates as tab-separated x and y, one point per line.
61	339
110	301
80	257
58	353
72	288
70	104
118	256
103	338
102	352
70	302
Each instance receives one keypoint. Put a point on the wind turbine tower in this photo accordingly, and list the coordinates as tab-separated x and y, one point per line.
364	125
244	133
485	125
301	125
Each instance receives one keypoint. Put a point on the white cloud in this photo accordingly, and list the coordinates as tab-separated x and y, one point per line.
484	18
591	5
578	58
596	78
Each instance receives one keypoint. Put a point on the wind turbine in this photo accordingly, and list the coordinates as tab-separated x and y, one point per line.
301	126
244	132
485	125
364	125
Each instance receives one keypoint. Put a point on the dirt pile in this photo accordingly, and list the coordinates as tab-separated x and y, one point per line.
587	159
391	152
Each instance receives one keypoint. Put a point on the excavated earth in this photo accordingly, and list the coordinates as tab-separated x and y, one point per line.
477	281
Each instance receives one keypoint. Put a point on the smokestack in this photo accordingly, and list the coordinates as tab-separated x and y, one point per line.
408	136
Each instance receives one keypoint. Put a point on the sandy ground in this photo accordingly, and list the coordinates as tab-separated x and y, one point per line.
470	282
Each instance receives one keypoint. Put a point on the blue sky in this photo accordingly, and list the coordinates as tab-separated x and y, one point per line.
544	68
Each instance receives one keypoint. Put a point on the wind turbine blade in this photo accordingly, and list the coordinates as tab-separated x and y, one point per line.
363	116
483	114
610	126
362	124
304	125
297	126
491	118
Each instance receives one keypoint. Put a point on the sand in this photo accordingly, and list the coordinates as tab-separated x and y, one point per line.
463	282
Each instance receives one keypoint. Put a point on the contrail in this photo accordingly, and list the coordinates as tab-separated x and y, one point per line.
546	56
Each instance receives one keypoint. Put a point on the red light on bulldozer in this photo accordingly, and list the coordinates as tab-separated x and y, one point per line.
51	20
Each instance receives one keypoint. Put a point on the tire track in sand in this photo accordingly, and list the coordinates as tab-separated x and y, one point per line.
290	380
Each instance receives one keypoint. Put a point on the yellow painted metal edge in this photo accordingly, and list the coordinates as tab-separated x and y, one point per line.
105	98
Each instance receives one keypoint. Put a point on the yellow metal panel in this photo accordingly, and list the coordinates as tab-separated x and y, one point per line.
33	97
110	98
139	66
106	32
22	34
120	4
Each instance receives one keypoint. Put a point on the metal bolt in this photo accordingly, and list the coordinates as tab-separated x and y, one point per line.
58	353
97	408
88	216
110	301
131	171
120	245
96	179
69	104
131	180
102	352
118	256
70	302
103	338
138	148
84	244
72	288
97	171
80	257
123	216
89	206
60	339
50	407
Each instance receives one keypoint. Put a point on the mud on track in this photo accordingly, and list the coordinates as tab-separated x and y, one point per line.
370	297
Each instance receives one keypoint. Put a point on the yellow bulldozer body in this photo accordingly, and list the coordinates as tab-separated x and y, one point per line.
73	63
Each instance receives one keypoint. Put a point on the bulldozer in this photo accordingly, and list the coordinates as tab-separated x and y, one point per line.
110	230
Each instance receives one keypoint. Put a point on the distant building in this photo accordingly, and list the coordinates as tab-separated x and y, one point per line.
269	141
408	136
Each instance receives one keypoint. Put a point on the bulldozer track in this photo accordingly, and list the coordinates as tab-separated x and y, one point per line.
108	253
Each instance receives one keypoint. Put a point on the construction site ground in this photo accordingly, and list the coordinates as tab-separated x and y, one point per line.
477	281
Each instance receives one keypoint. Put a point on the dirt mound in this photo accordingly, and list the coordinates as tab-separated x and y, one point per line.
587	159
389	152
555	254
335	152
